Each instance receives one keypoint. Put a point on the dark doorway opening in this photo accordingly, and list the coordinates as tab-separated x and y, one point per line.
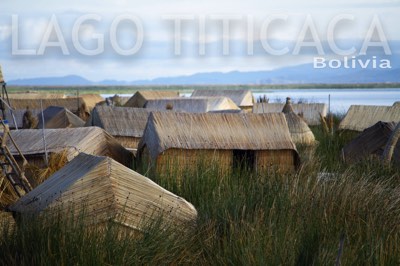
243	160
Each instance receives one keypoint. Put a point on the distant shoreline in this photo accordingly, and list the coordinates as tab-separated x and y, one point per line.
103	89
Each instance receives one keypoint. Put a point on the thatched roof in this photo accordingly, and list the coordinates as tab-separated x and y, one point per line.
360	117
92	140
371	141
35	95
242	98
59	117
71	103
192	105
165	130
309	111
120	121
90	99
103	190
299	130
18	114
140	98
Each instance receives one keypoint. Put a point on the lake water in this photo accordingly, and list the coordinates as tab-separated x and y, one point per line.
341	99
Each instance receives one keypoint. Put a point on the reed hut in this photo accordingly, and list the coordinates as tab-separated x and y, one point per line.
193	105
35	95
73	103
91	140
59	117
98	190
179	142
140	98
360	117
370	142
242	98
90	100
310	112
299	131
125	124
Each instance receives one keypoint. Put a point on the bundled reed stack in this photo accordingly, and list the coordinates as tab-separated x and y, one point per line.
300	132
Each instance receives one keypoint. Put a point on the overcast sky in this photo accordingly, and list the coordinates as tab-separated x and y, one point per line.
132	40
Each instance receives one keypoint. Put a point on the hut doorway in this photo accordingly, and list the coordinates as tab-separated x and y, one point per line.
243	160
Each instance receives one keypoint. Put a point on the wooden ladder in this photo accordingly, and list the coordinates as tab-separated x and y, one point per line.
9	165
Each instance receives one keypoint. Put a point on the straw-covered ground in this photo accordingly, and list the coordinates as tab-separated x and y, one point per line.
347	213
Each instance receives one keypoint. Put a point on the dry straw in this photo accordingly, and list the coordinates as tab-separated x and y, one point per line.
310	112
242	98
101	190
360	117
140	98
299	130
193	105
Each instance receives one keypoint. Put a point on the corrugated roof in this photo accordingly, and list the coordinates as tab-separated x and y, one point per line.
241	98
311	111
59	117
192	105
167	130
105	190
360	117
120	121
140	98
91	140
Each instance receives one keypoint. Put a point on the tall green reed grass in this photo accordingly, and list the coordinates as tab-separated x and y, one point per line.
244	219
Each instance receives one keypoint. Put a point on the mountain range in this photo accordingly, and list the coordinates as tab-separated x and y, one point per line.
300	74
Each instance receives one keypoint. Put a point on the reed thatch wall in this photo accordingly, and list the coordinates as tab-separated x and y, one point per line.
90	99
91	140
59	117
72	103
271	160
18	114
207	134
102	190
299	131
140	98
120	121
310	112
371	141
128	142
192	105
35	95
360	117
242	98
125	123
